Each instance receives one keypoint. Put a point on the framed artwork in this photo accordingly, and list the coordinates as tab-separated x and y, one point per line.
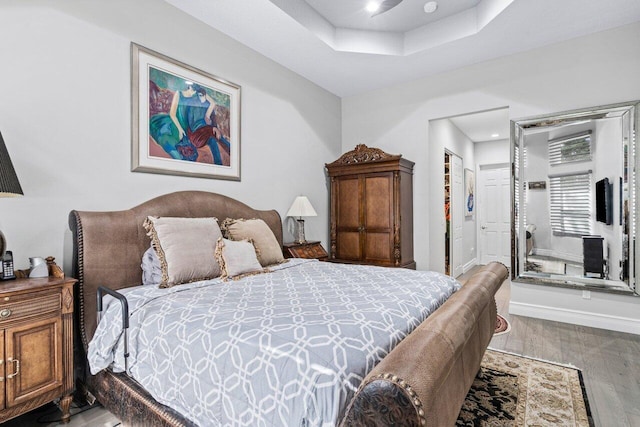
469	190
537	185
184	120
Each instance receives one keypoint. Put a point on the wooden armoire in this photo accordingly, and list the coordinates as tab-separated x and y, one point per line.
371	208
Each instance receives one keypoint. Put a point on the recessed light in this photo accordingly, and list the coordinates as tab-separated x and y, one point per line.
495	135
430	7
373	6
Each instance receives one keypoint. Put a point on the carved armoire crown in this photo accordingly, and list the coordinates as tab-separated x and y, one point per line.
371	208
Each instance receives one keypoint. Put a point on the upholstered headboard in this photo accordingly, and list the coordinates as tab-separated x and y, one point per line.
108	246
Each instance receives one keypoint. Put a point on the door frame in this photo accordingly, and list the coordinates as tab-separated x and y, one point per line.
448	243
453	202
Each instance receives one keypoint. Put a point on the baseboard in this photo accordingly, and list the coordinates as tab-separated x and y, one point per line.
561	255
468	266
542	252
576	317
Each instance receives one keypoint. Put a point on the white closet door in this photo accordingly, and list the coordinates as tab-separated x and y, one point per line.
494	210
457	215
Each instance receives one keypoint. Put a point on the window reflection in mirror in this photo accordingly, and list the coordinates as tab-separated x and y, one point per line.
574	193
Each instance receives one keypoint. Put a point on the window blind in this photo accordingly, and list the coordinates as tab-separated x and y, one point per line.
570	204
573	148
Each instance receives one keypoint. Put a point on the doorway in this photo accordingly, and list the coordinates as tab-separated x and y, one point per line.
454	214
447	212
468	140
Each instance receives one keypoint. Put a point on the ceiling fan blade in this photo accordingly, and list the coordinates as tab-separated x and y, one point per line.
386	5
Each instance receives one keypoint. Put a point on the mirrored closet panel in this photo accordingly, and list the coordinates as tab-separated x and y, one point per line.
574	197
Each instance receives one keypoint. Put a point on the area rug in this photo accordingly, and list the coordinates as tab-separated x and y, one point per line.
546	266
518	391
502	326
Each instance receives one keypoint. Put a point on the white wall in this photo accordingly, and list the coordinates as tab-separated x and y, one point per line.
492	152
593	70
449	137
65	117
536	201
608	163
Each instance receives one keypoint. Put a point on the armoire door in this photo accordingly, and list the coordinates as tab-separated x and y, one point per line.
34	360
378	205
2	372
348	217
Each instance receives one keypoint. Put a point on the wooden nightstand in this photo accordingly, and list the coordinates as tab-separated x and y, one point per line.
36	345
305	250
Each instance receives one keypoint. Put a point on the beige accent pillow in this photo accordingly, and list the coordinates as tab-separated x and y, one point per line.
268	249
237	258
186	248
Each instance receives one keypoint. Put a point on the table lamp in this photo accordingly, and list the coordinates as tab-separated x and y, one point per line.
301	207
9	184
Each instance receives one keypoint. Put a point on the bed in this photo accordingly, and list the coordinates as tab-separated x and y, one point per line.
421	377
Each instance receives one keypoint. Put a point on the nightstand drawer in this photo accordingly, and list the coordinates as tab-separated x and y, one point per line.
25	306
315	251
308	250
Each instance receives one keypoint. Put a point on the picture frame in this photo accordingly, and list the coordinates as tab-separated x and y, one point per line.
469	192
184	121
537	185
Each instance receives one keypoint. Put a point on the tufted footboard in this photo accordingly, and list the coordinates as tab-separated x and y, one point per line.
425	379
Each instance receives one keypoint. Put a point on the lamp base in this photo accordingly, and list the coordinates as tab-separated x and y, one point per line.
300	237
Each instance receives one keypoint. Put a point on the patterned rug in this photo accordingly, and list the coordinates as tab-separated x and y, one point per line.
502	326
546	266
517	391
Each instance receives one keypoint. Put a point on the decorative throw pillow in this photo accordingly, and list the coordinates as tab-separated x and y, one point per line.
185	248
151	268
267	247
237	258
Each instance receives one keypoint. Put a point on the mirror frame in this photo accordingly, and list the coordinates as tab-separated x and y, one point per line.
518	132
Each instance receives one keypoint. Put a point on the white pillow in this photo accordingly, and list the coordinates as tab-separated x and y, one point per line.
268	249
151	268
237	258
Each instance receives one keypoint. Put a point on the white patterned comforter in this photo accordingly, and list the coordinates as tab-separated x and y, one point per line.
285	348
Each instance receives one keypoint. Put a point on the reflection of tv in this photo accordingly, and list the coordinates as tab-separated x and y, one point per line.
604	201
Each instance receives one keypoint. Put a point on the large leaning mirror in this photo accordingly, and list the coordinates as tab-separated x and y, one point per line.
574	192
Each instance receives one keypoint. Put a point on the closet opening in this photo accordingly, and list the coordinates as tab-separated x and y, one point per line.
447	213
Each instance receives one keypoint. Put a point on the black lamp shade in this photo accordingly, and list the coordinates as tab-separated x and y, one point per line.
9	184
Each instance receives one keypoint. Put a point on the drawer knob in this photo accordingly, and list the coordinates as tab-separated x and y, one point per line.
4	313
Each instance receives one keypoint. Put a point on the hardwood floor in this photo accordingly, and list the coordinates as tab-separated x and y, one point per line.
49	416
610	361
610	364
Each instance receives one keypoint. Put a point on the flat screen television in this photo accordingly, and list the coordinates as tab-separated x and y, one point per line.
604	201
